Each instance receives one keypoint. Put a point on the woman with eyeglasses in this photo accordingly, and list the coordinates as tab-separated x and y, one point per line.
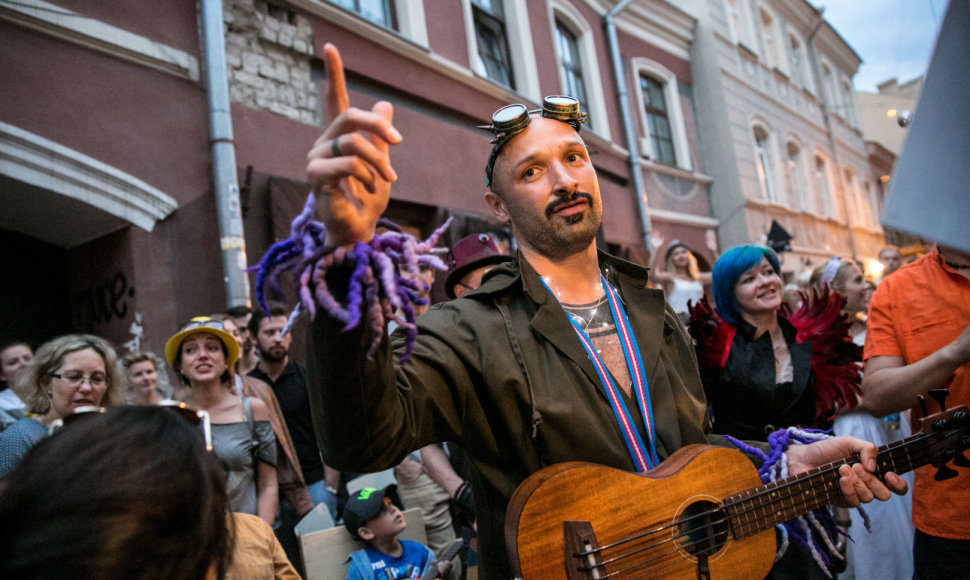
77	370
242	436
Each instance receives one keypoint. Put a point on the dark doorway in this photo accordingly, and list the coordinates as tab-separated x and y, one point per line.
35	293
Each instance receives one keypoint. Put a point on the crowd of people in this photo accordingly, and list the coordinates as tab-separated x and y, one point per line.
555	353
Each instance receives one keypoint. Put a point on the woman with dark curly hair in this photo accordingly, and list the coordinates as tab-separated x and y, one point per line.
202	354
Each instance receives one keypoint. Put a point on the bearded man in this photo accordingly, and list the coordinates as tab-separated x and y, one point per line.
504	370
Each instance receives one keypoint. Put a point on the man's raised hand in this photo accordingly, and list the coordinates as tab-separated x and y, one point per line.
348	168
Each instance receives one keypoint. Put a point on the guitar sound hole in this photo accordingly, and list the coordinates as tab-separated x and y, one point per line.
703	529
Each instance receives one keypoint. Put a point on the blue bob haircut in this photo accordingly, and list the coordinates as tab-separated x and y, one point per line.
729	268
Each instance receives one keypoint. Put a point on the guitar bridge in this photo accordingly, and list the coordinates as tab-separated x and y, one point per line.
581	551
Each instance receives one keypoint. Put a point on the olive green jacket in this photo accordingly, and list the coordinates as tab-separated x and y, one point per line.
501	372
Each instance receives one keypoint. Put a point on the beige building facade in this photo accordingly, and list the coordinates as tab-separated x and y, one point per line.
780	129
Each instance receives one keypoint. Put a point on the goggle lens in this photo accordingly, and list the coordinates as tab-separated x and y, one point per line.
561	108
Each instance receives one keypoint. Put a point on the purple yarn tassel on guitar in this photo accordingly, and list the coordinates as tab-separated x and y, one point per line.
775	467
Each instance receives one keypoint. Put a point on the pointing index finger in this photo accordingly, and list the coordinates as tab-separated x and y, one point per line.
336	93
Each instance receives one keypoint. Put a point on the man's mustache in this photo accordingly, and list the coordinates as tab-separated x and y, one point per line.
558	203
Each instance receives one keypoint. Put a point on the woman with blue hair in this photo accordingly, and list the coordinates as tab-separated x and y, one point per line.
763	369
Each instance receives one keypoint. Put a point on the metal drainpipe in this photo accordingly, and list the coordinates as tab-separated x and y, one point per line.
820	87
631	140
231	238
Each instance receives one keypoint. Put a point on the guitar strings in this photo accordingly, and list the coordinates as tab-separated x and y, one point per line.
799	506
812	478
677	547
921	444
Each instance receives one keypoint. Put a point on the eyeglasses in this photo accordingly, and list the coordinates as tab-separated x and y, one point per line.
197	418
77	379
204	322
511	120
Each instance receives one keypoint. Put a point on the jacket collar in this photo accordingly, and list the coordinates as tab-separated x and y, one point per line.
747	330
551	322
801	352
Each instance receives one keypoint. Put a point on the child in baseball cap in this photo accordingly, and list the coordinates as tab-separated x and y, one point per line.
371	516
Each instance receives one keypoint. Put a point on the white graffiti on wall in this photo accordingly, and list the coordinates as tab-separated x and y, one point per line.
137	331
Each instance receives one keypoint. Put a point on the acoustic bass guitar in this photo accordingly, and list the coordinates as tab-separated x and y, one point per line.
702	513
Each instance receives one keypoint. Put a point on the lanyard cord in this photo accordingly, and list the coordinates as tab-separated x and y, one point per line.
644	458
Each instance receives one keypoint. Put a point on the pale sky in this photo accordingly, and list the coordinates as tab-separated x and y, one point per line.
894	38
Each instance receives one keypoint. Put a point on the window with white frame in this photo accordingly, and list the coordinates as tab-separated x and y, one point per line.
658	120
823	186
661	115
570	64
491	36
769	36
499	37
848	103
858	206
380	12
800	73
764	163
830	91
797	176
579	74
739	21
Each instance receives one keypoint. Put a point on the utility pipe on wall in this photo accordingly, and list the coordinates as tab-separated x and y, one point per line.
626	115
231	238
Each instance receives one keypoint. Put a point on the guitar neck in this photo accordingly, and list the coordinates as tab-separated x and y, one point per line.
760	508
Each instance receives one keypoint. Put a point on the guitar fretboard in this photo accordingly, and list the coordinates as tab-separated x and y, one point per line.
757	509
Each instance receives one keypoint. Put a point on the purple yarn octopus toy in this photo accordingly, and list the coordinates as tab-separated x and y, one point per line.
384	278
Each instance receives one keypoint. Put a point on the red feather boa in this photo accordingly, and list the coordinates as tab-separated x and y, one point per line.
836	360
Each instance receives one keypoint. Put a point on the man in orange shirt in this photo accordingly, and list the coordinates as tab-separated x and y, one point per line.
918	338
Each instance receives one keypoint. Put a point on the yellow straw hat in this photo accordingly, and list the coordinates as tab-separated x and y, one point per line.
198	325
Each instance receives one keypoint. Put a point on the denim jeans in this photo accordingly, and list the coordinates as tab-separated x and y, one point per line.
320	495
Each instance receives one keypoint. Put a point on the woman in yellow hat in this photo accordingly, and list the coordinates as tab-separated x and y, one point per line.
242	436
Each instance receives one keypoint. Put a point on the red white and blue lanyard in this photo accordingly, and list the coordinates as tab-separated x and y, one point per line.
643	457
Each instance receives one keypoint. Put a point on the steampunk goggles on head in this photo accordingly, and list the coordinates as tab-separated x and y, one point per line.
511	120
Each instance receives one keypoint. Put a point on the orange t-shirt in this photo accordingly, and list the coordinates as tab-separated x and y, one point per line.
916	311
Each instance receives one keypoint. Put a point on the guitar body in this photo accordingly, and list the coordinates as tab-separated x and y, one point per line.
650	507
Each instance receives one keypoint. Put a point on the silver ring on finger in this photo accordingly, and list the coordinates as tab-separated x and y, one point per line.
335	147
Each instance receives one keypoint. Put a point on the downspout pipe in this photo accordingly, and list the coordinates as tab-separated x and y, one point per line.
627	116
231	238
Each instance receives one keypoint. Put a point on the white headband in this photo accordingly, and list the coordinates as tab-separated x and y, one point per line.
831	269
